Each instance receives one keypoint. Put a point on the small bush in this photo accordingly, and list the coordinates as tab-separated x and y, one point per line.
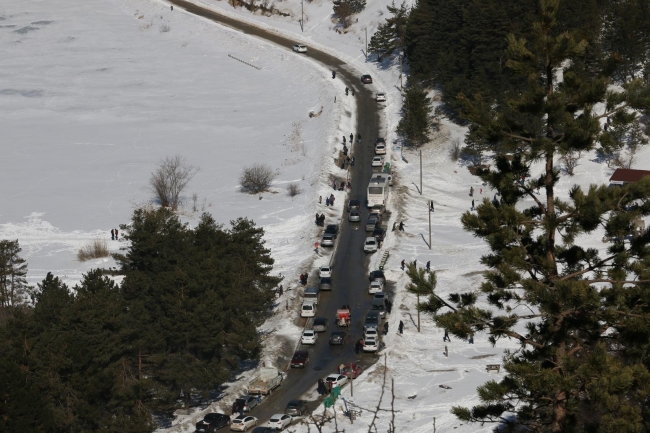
256	178
95	250
455	150
293	190
164	28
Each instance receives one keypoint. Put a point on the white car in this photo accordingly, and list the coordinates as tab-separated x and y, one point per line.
300	49
370	245
337	379
381	296
375	287
243	423
377	161
380	97
309	337
370	344
370	333
325	271
279	421
380	149
308	309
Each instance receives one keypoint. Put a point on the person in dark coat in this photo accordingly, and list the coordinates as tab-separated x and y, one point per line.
402	264
389	306
333	74
357	347
401	327
112	234
401	226
429	266
116	234
446	337
351	138
386	328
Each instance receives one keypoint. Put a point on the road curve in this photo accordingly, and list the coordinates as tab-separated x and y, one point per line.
350	263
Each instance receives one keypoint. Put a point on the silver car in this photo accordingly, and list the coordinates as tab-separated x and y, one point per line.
328	240
354	216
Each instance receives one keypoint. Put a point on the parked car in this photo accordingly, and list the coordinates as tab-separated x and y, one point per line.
312	294
375	286
380	308
377	161
300	359
371	333
320	324
379	233
212	422
300	48
308	309
354	216
379	297
373	219
325	284
366	79
338	338
370	245
309	337
380	97
380	149
378	208
247	402
325	271
328	240
352	371
372	321
377	275
354	204
332	228
370	345
279	421
243	423
336	379
380	140
295	408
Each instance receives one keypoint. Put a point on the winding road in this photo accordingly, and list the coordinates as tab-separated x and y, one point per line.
350	264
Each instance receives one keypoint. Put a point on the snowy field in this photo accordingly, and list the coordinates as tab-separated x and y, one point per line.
94	94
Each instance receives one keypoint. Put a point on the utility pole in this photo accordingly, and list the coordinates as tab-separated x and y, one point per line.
418	311
431	202
302	15
420	171
400	72
366	43
351	381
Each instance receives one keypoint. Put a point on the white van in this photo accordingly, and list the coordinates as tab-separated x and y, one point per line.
308	309
312	294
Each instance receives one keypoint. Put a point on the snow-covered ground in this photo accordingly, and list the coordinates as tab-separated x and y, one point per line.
94	94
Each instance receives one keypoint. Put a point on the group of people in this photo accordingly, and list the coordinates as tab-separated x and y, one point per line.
320	219
303	278
401	226
329	201
114	234
324	387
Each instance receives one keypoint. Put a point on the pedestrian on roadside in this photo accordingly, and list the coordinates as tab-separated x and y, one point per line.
116	235
320	199
349	185
401	327
332	199
446	337
346	91
327	201
333	74
280	290
352	92
352	162
472	204
334	184
358	138
344	139
429	266
351	138
394	224
402	264
389	306
386	328
470	340
112	234
471	191
401	226
316	247
172	7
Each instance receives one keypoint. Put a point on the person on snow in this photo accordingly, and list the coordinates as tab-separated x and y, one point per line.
446	337
403	263
351	138
333	74
429	266
401	226
386	328
320	199
346	91
471	191
401	327
112	234
116	234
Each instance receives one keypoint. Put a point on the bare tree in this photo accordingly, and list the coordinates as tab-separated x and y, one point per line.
256	178
13	270
293	189
94	250
170	179
455	150
570	161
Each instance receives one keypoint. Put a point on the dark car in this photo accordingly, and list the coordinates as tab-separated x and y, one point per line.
300	359
295	408
377	275
247	402
338	338
325	283
332	228
366	79
212	422
320	324
354	205
380	140
379	233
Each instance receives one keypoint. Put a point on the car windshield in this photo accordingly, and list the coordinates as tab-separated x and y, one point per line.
326	280
308	333
275	419
308	307
319	321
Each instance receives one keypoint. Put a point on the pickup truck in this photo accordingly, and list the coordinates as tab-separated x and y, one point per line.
266	381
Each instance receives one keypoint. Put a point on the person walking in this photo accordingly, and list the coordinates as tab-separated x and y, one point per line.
327	201
172	7
401	327
401	226
352	161
316	247
429	266
332	199
344	140
470	340
346	91
358	138
116	234
320	199
403	263
351	138
472	204
446	337
112	234
389	306
333	74
386	328
471	191
280	290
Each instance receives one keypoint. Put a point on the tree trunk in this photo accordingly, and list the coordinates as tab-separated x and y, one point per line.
559	413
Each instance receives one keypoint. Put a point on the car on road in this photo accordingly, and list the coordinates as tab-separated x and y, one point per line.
328	240
325	284
371	333
354	204
380	149
377	275
370	245
295	408
380	308
247	402
380	140
373	219
352	371
354	216
366	79
279	421
298	48
243	423
212	422
379	297
338	338
377	161
378	208
300	359
320	324
370	345
308	309
379	233
380	97
375	286
336	379
372	321
325	271
333	229
308	337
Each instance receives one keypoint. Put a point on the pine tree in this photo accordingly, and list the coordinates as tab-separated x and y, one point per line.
582	319
390	35
13	272
417	121
344	9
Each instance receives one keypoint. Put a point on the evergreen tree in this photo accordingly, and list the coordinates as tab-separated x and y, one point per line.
417	122
582	319
390	35
13	270
344	9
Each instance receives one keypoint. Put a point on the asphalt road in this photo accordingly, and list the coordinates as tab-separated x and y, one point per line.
350	274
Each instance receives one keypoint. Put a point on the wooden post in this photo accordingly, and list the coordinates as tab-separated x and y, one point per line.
418	311
430	201
351	381
420	171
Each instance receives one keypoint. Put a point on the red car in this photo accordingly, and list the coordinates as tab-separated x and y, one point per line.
353	370
366	79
